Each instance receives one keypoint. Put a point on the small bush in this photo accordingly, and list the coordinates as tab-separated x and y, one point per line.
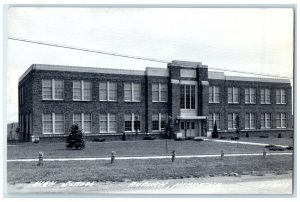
198	139
75	138
179	139
98	140
188	138
263	136
289	148
149	137
124	137
279	135
223	138
234	138
274	147
36	141
247	135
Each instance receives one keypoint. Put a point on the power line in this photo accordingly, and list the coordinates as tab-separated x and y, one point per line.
134	57
87	50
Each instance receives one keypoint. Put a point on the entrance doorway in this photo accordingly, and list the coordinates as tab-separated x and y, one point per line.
188	128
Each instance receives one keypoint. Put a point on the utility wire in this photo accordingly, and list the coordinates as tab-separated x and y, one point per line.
133	57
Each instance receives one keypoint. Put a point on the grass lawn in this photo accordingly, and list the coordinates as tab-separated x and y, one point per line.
121	170
131	148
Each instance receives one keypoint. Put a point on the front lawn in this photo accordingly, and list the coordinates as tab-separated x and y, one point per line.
128	148
121	170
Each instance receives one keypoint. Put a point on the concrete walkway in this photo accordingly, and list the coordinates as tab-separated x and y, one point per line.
241	142
149	157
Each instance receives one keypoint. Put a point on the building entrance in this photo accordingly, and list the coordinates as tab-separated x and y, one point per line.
188	128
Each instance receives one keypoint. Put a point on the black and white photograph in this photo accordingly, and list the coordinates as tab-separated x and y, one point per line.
149	100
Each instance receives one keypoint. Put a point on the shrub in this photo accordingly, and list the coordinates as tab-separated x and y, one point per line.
188	138
234	138
198	139
263	136
223	138
124	137
75	138
279	135
98	140
36	141
289	148
215	131
148	137
274	147
179	139
247	135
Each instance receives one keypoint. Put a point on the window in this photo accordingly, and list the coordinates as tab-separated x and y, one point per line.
187	96
233	95
53	123
212	119
53	89
107	91
107	123
281	120
84	121
21	95
231	124
250	121
265	120
159	121
214	94
132	92
132	122
30	120
82	90
265	97
250	96
280	96
159	92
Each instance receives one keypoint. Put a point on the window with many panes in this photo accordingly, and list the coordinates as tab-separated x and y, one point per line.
159	121
21	95
281	120
132	92
108	123
132	122
231	123
233	95
265	120
84	121
265	96
250	95
53	89
108	91
82	90
212	119
159	92
250	121
53	123
187	96
280	96
214	94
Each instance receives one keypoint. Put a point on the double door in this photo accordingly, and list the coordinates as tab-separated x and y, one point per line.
188	128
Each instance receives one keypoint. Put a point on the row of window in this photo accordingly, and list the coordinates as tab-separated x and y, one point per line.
53	123
53	89
250	120
250	95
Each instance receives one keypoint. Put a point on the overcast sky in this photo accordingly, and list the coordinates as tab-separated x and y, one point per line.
255	40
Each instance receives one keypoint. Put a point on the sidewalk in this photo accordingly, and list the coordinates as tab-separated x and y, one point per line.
241	142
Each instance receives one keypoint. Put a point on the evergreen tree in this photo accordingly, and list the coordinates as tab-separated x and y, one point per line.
215	131
75	138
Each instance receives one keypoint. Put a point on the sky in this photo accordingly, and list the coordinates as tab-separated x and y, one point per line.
244	39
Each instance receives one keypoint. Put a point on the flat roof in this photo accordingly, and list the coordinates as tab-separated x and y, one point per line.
149	71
